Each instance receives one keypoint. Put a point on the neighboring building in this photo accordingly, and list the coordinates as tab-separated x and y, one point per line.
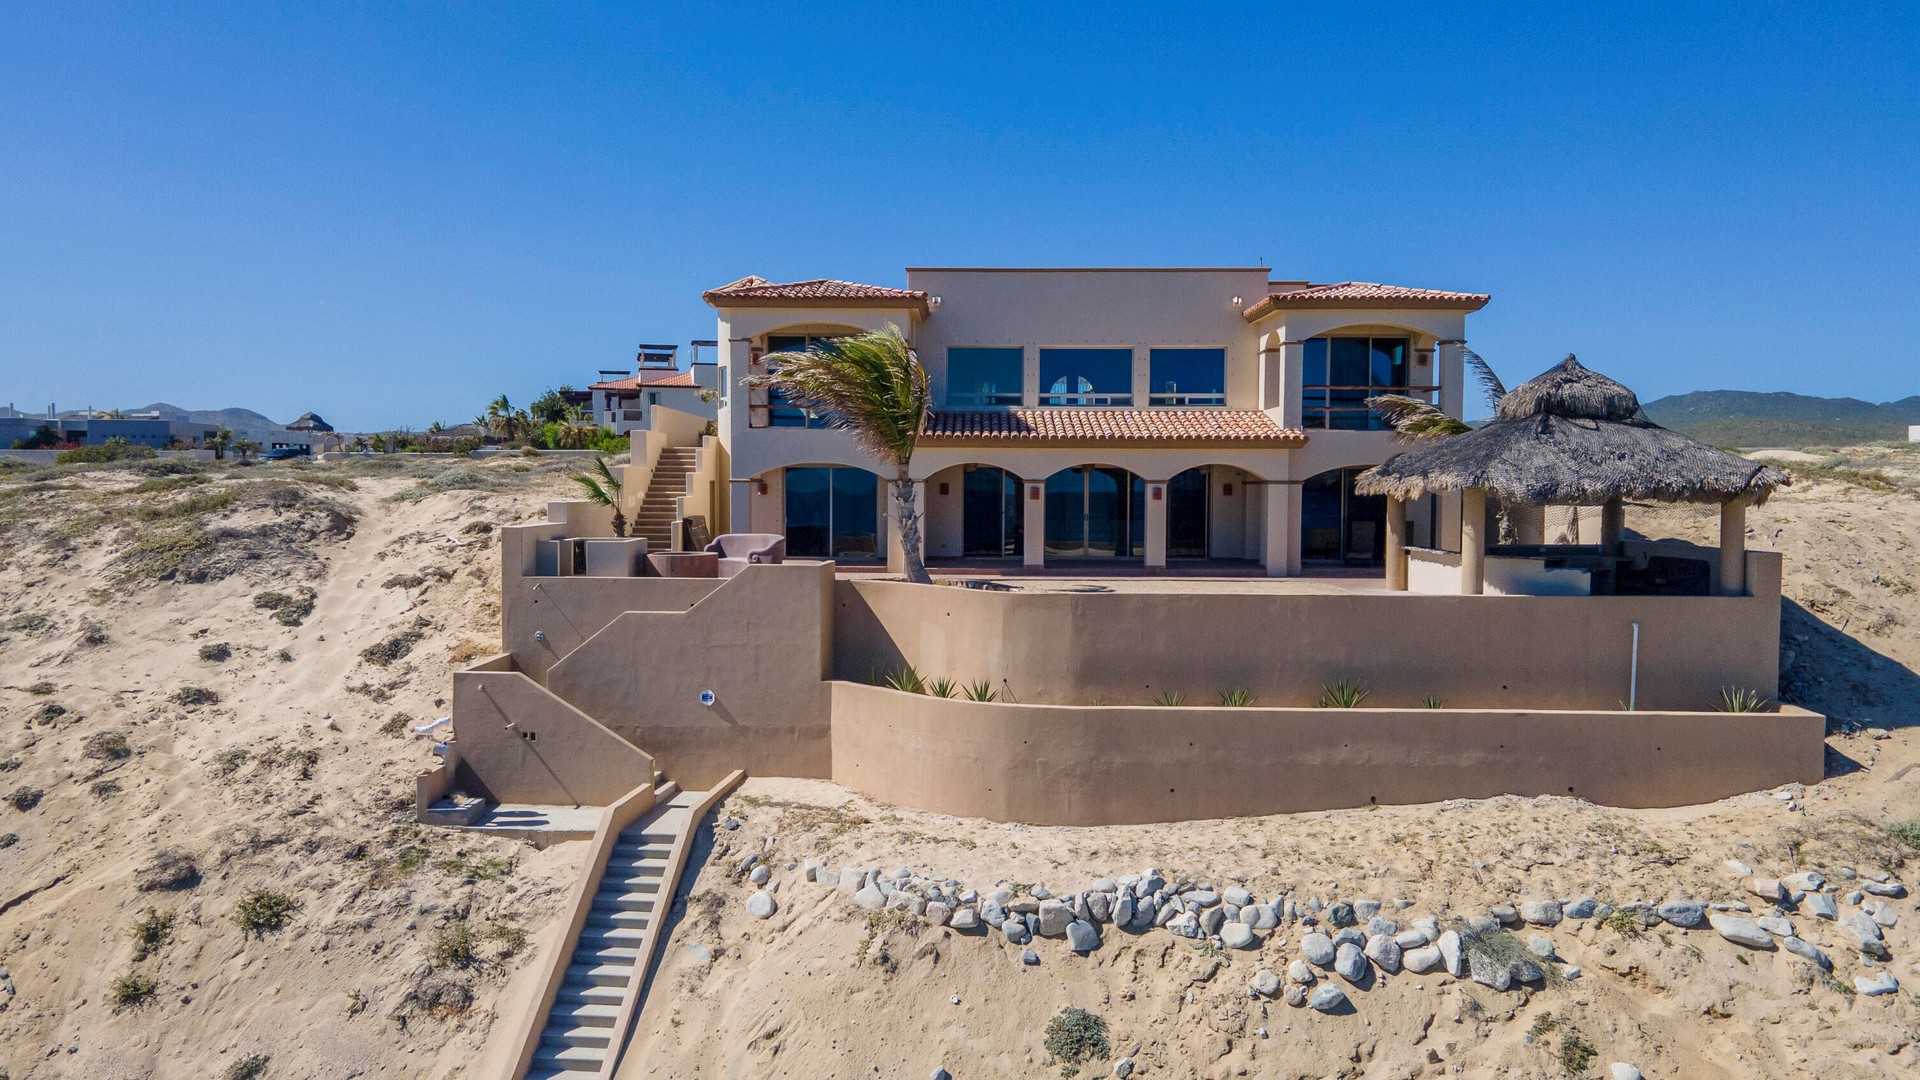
1913	433
149	429
625	403
1104	415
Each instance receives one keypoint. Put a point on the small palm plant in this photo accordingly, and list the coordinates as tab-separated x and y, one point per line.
872	387
1239	698
602	488
1740	699
1343	694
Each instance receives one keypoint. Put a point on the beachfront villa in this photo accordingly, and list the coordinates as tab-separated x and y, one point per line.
1217	586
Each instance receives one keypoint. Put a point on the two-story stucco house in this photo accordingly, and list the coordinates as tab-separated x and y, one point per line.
1104	415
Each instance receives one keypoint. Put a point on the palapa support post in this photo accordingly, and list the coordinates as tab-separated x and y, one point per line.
1613	526
1396	545
1473	541
1733	548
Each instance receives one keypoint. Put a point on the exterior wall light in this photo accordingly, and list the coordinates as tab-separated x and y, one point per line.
1238	300
539	635
759	487
935	301
706	698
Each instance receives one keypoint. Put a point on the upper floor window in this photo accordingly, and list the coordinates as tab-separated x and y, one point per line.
985	376
1341	373
1086	377
780	411
1188	377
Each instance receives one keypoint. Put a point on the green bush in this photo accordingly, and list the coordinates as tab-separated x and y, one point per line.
216	652
452	946
190	696
1343	694
1075	1037
1240	698
132	989
24	798
251	1067
111	450
152	933
392	649
1906	832
263	911
287	610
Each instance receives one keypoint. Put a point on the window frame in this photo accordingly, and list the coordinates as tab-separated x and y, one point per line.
1187	400
1005	399
1089	399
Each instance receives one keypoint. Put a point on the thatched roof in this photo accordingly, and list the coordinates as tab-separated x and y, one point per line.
1572	436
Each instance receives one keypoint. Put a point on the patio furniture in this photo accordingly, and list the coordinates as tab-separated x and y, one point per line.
685	564
738	551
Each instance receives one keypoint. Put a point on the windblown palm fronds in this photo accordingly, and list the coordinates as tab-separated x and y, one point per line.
872	387
603	488
1489	381
1415	420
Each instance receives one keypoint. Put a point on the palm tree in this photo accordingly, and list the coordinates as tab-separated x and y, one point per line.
871	386
246	448
603	489
1417	420
219	441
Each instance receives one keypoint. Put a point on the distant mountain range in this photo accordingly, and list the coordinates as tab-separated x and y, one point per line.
238	419
1747	419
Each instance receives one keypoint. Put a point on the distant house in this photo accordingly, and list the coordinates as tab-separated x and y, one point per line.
623	404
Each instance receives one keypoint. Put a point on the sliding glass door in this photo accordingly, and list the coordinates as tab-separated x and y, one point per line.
1096	511
992	513
833	512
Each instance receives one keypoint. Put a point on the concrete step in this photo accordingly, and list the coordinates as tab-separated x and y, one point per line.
633	920
607	954
576	1035
573	993
540	1071
605	936
583	1014
632	839
583	974
624	901
640	879
564	1059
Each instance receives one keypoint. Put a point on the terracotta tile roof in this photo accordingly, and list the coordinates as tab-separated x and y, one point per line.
1365	294
648	378
1247	427
751	291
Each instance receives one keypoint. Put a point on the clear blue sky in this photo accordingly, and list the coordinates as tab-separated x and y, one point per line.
391	212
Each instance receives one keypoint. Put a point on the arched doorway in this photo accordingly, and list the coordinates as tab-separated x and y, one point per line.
832	512
992	513
1190	514
1096	512
1339	526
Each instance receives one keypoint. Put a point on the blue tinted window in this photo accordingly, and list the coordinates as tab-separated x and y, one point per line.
985	376
1188	376
1086	376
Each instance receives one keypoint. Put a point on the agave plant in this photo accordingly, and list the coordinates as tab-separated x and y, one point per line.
1343	694
905	679
981	690
603	488
1171	698
1239	698
1432	701
943	687
1740	699
872	387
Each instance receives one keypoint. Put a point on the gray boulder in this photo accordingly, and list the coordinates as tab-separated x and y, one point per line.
1340	914
1740	931
1260	916
1122	911
1238	936
1620	1070
1385	953
1583	908
1327	997
1381	925
1412	939
1541	912
1421	959
1082	937
1450	952
1211	920
1098	908
1265	983
938	914
1123	1068
1318	949
1883	983
964	918
1237	896
1487	971
1891	889
826	877
1820	905
1105	885
1029	958
1541	946
1504	914
1526	971
1365	910
1808	951
1055	917
870	898
760	905
1201	898
1682	913
1302	973
1350	963
1016	931
1775	925
993	912
1294	995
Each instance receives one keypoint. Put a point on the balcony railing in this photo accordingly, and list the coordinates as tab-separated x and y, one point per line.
977	400
1188	401
1089	400
1344	408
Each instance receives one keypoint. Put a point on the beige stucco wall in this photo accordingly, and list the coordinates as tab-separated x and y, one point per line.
1502	652
570	760
759	641
1053	765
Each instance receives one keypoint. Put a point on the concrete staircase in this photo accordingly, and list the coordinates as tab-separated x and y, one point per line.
655	519
611	954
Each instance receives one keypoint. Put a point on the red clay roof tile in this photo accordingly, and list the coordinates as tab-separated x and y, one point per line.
1132	426
648	378
757	290
1356	294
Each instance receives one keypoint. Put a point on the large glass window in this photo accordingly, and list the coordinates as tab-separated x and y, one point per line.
1188	377
832	513
1096	511
1086	377
1341	373
985	376
781	411
1188	514
1338	524
992	513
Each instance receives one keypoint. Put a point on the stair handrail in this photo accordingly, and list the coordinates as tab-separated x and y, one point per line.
651	939
615	818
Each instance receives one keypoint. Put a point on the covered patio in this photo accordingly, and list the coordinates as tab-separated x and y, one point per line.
1570	437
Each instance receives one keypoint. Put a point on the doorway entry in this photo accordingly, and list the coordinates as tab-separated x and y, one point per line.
1096	512
992	513
1340	525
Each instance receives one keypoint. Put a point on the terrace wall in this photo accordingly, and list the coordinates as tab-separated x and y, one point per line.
1059	765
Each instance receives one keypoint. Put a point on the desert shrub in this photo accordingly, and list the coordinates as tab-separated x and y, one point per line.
251	1067
32	622
92	633
1906	832
132	989
288	610
1739	699
42	688
1342	694
396	725
7	840
1576	1054
443	996
404	581
152	933
393	648
216	652
1622	922
9	764
1075	1037
193	506
263	911
164	484
906	679
1239	698
107	746
159	554
47	714
466	652
105	789
24	798
371	692
228	762
1433	701
111	450
477	528
299	759
943	687
169	870
452	946
511	939
285	656
190	696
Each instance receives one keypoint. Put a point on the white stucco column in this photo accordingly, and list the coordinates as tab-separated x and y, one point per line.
1268	373
1289	374
896	551
1396	545
1733	549
1033	524
1282	534
1452	371
1473	541
1156	553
